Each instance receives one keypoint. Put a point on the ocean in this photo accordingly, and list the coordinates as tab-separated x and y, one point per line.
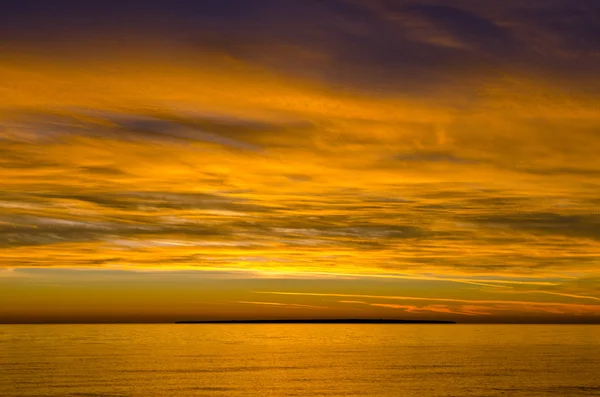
299	360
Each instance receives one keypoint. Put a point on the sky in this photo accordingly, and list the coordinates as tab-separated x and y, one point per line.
246	159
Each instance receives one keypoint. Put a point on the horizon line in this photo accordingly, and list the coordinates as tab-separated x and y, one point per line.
594	322
318	321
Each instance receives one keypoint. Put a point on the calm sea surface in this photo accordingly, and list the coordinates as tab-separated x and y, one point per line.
299	360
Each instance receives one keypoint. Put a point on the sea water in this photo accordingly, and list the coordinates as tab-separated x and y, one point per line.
299	360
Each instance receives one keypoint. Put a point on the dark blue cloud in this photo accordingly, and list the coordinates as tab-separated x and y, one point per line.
470	28
575	24
368	45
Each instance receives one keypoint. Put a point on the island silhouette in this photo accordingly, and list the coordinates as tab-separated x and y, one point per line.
318	321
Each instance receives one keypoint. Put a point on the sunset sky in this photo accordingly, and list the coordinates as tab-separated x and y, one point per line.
222	159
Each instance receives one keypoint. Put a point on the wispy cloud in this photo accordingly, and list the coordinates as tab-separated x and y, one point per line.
288	305
563	294
594	309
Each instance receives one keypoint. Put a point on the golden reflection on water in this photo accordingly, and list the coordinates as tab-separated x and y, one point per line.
300	360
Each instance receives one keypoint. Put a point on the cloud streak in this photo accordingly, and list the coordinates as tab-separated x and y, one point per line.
587	308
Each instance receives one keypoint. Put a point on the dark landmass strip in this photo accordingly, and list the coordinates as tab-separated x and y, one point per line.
319	321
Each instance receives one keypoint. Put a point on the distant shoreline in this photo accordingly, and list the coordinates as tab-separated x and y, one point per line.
318	321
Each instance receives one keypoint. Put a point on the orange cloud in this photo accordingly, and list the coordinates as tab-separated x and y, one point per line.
549	307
